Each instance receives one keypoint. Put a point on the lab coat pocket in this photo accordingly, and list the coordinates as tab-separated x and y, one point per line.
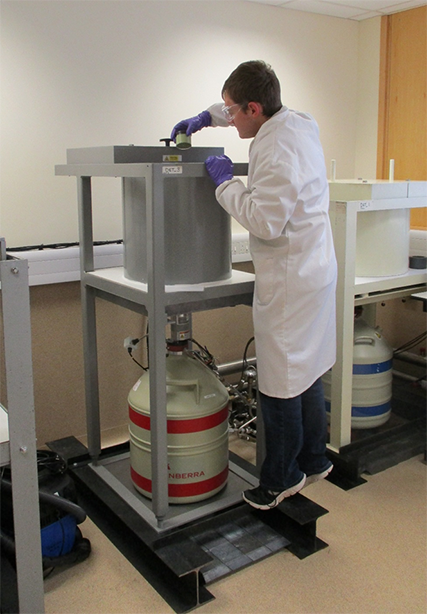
264	284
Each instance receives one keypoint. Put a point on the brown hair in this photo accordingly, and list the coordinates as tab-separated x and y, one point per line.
254	81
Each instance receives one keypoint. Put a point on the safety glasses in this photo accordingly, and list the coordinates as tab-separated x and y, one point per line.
229	115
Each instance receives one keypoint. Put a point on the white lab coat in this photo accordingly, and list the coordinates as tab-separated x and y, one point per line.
285	209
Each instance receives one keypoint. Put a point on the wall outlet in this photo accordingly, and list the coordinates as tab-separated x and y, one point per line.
240	247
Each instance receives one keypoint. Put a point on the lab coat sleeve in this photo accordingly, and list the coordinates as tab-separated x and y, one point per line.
218	117
265	206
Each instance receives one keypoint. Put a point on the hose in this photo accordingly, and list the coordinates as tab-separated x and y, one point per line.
56	501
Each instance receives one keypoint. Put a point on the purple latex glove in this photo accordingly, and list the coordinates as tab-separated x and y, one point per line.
220	168
192	124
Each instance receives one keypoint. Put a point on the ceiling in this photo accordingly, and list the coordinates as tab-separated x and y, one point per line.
346	9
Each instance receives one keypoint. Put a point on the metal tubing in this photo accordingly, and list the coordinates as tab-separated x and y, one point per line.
405	376
413	359
228	368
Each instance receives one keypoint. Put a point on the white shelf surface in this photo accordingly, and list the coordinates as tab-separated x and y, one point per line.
365	285
116	275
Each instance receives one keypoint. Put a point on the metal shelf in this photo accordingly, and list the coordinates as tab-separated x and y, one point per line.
236	290
152	299
348	199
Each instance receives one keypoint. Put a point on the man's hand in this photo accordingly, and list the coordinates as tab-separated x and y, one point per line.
220	168
192	124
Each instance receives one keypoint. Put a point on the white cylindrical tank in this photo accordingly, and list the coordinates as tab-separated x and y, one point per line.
197	426
372	378
382	244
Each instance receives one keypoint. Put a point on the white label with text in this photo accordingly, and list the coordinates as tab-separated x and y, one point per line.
172	170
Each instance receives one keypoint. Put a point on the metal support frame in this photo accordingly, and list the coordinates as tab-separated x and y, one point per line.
150	298
360	291
22	435
157	357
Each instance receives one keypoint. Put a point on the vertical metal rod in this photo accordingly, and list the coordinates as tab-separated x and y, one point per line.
84	198
22	434
90	351
3	254
344	226
157	354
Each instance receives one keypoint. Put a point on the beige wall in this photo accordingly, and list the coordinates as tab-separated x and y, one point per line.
108	72
57	348
78	74
402	320
57	352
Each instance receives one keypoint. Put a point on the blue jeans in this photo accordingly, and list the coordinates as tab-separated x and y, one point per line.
295	437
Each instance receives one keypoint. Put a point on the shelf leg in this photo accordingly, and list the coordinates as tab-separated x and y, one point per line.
90	352
22	434
344	225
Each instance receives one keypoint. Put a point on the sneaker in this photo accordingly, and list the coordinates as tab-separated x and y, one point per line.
266	499
315	477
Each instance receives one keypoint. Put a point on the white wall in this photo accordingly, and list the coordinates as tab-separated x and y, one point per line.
89	73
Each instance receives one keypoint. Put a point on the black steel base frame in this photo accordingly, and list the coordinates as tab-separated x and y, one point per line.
182	562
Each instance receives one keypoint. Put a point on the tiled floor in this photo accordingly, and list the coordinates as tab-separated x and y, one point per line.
375	562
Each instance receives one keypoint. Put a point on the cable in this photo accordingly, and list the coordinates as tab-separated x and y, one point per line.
65	505
204	355
51	462
138	363
130	349
245	363
41	247
410	344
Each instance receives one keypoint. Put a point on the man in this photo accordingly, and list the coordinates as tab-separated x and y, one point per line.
285	209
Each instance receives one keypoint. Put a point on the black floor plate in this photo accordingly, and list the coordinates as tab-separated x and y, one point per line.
402	437
181	563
